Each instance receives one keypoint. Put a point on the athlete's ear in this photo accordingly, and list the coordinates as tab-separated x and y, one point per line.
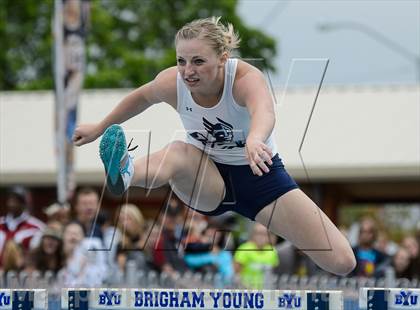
223	58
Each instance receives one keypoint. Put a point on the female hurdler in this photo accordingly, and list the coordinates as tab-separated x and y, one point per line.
229	160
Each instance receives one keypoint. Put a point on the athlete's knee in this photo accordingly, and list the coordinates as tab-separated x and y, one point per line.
177	146
345	262
178	154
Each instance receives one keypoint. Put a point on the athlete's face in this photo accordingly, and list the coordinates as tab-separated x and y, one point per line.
199	65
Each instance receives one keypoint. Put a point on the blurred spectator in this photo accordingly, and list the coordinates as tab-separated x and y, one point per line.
132	239
411	244
385	245
152	231
18	225
48	256
208	255
59	213
86	207
13	257
293	261
167	254
85	263
179	213
370	261
256	257
110	237
193	238
401	264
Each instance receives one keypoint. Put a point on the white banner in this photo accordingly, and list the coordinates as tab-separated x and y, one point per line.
107	298
70	26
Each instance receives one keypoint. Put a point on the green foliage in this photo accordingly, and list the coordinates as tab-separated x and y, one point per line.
26	44
129	41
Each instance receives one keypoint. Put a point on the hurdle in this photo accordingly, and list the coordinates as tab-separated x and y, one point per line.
121	298
389	298
19	299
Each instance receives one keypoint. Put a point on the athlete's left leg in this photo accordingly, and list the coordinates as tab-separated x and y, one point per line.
295	217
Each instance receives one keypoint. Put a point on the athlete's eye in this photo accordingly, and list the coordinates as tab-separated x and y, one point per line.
181	61
199	61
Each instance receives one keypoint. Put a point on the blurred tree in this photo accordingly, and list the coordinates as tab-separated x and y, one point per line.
26	44
129	41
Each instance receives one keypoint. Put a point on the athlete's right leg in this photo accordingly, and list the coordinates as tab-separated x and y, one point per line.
189	171
192	175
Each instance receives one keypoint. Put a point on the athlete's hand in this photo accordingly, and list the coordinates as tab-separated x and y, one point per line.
86	133
259	155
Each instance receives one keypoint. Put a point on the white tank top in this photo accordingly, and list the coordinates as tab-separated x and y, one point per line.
221	130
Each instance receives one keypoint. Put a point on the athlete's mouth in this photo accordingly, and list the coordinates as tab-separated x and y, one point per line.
192	80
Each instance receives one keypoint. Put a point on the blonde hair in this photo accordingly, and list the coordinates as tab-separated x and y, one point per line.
13	257
133	212
222	38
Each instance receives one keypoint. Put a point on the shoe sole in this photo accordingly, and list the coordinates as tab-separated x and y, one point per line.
111	150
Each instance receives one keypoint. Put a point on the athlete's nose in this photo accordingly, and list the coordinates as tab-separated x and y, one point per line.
189	70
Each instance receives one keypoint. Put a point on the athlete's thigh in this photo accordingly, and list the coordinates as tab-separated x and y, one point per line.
198	182
295	217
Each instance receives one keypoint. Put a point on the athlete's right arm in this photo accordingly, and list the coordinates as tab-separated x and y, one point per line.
161	89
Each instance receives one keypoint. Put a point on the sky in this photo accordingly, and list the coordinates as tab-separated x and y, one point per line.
353	56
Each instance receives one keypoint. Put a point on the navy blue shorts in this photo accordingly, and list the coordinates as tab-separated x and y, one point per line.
246	193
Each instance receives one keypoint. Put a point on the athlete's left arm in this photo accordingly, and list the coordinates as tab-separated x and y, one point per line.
251	89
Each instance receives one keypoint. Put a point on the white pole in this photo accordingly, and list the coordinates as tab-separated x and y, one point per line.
60	104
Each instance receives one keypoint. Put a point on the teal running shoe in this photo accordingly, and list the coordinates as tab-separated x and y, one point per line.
118	163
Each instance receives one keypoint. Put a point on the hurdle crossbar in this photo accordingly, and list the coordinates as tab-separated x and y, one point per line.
97	299
389	298
20	299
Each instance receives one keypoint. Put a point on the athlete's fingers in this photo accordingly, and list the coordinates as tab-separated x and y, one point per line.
263	155
269	153
260	165
263	166
255	169
268	150
267	158
252	163
78	140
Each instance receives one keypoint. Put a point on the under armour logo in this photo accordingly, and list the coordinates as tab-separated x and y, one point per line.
188	109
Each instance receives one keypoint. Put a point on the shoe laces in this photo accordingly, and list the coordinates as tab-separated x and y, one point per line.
133	148
127	163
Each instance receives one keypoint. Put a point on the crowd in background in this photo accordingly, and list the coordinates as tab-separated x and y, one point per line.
82	247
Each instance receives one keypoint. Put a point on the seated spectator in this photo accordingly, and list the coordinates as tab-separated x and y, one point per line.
58	213
294	262
110	237
154	258
192	240
412	245
254	258
385	245
13	257
168	252
18	225
48	256
84	265
86	207
132	237
401	263
209	255
370	261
